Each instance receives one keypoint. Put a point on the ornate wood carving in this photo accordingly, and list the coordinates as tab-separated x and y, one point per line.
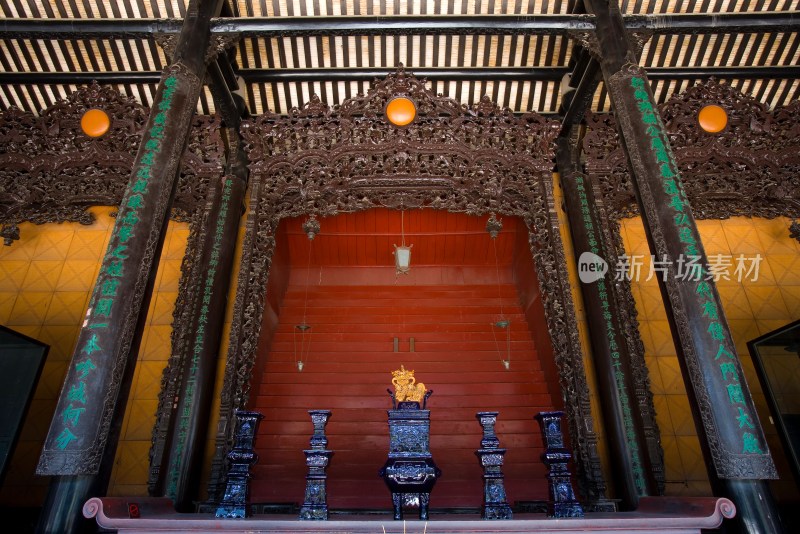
101	368
588	40
50	171
480	160
218	44
748	169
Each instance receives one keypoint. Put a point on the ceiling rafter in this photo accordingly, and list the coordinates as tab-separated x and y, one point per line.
516	53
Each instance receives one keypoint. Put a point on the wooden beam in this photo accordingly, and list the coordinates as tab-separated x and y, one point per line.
36	28
733	442
508	74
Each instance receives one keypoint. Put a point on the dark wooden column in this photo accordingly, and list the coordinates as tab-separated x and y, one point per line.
206	294
630	461
733	441
637	466
80	446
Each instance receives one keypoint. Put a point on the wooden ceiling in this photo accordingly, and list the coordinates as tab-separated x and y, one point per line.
367	239
518	69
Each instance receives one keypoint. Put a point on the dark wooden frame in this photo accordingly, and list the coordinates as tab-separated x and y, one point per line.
43	358
320	161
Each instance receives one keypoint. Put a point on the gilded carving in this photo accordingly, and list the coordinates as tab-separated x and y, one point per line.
406	387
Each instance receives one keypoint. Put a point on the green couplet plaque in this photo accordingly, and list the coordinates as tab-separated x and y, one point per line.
83	419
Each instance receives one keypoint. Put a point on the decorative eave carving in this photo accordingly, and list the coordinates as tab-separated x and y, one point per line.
490	141
203	160
50	171
749	169
399	83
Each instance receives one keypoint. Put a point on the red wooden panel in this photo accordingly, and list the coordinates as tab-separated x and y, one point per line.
348	371
368	238
349	294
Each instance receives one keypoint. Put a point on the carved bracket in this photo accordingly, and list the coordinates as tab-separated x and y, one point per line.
588	40
218	44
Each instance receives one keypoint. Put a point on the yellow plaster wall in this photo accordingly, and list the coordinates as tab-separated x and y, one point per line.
45	281
752	307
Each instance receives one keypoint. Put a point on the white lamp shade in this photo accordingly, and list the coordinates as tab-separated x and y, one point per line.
402	259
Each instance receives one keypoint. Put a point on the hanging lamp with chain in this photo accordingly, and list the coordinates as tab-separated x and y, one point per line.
301	334
402	254
503	323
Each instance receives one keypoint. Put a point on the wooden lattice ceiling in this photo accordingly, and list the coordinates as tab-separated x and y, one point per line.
520	71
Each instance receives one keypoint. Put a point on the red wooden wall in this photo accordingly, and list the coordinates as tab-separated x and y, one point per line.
356	306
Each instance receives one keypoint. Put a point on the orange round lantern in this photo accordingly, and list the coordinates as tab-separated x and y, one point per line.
712	118
95	122
401	111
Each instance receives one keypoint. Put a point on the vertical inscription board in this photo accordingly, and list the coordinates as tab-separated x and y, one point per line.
736	440
80	427
611	336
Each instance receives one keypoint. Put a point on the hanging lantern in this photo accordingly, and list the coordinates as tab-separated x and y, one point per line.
402	253
493	228
301	349
402	259
311	227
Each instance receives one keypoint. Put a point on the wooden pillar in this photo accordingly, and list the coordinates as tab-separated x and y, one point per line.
733	441
189	422
180	477
630	461
80	446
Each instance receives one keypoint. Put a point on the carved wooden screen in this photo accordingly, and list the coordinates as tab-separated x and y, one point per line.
51	172
320	161
751	168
